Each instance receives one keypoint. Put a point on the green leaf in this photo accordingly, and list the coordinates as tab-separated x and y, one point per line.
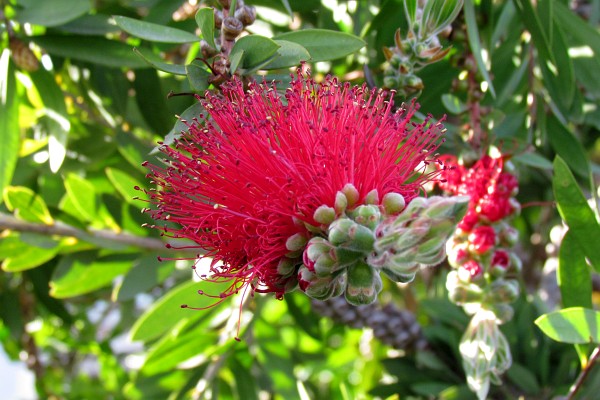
156	62
437	15
205	19
576	212
234	61
166	312
533	160
567	146
323	44
286	5
91	49
84	272
154	32
52	12
145	274
19	255
126	186
133	150
532	22
90	24
9	121
453	104
578	28
57	121
289	54
198	76
523	378
152	101
83	195
189	114
573	274
410	8
256	50
27	205
475	43
575	325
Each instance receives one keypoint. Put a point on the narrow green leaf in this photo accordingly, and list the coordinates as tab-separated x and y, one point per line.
453	104
475	43
126	186
205	18
438	14
578	28
83	195
524	378
410	8
532	22
533	160
166	312
324	45
154	32
286	5
575	325
91	49
289	54
576	212
27	205
133	149
146	273
567	146
198	76
156	62
84	272
186	117
57	122
573	274
90	24
9	121
256	50
52	13
152	101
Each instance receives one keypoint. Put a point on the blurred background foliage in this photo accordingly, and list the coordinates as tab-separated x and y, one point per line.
87	306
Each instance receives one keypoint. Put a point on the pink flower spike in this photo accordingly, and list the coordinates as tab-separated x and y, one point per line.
251	174
482	239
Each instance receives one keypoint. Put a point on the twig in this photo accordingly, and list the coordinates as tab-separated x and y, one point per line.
584	373
61	229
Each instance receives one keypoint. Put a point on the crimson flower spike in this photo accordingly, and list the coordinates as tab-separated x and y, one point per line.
244	181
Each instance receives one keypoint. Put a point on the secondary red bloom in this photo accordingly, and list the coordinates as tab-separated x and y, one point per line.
482	238
249	175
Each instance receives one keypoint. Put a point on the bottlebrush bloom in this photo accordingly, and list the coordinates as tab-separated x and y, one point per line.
243	182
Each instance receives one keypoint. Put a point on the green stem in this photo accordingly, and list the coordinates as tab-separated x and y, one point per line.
584	373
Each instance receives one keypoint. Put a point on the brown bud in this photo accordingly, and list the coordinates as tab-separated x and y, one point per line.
218	18
207	50
246	14
231	28
23	56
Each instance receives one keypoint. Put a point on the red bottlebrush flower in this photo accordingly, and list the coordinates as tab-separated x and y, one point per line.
249	175
469	271
501	259
482	238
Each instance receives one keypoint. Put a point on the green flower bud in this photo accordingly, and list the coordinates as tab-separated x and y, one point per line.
341	203
372	197
296	242
393	203
364	284
286	267
401	273
503	291
345	257
454	207
348	234
324	215
351	193
368	216
502	311
320	288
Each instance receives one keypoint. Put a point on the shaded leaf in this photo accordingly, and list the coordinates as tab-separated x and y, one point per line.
186	117
289	54
567	146
146	273
475	43
575	325
205	18
52	13
573	274
322	44
91	49
256	50
198	76
154	32
533	160
156	62
453	104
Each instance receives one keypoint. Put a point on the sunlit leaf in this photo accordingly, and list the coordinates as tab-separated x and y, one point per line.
475	43
205	18
573	274
575	325
27	205
9	120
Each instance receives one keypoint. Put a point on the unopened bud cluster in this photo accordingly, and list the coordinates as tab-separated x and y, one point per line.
419	48
483	280
356	241
233	22
392	326
480	249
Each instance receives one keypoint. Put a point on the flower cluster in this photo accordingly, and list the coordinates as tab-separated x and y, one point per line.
256	179
479	251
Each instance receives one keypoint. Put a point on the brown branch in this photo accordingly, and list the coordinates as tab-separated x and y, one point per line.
584	373
61	229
